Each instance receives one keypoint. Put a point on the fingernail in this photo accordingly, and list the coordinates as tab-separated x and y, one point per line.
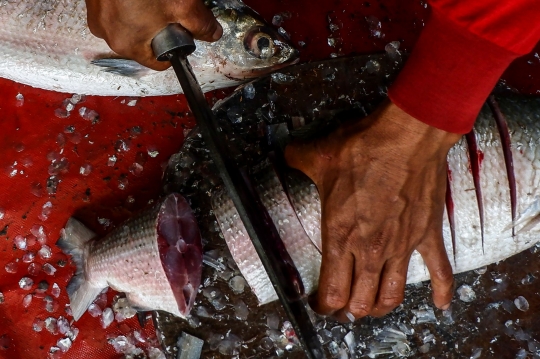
350	316
218	33
446	306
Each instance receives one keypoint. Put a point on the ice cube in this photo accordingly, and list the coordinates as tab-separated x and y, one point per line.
2	298
107	317
241	310
26	283
29	257
39	231
20	100
45	252
466	293
20	242
521	303
94	310
34	269
51	326
112	161
55	290
237	284
64	344
49	269
152	152
85	169
27	300
61	113
249	91
476	353
136	169
63	325
38	325
11	267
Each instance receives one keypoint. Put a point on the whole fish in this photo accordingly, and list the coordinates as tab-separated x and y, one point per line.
155	258
47	44
492	209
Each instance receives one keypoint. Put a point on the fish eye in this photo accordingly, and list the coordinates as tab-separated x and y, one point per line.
259	42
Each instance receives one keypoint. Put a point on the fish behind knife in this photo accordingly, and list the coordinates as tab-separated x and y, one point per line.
154	257
47	44
492	209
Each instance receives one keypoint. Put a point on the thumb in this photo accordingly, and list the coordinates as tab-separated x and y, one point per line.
303	156
199	21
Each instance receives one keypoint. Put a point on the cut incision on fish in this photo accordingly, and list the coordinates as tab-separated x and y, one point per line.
492	207
155	258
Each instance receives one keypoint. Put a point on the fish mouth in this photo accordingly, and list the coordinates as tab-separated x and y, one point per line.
180	250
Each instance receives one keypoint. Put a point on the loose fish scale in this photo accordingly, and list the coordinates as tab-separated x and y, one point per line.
305	255
129	261
241	248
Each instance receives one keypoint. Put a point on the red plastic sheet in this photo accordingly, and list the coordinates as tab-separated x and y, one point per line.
31	134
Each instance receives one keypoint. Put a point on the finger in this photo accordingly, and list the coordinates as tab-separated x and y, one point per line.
363	292
334	282
199	21
436	260
391	286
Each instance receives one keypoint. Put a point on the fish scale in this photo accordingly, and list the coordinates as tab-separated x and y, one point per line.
155	258
472	250
47	44
128	261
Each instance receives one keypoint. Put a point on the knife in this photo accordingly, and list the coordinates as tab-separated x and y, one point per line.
174	44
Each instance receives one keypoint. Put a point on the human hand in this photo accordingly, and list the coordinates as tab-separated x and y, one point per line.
382	184
128	27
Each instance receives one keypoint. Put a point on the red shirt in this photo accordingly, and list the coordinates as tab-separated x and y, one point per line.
459	57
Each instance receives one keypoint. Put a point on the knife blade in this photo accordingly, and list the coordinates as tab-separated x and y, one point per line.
174	44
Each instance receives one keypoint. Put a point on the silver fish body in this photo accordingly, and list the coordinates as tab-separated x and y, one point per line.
155	258
47	44
493	203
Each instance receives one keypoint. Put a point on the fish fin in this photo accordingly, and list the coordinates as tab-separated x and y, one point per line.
81	293
81	297
123	67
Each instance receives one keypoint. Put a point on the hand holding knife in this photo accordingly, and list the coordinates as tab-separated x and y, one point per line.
174	44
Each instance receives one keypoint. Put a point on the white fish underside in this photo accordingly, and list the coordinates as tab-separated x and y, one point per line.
523	120
47	44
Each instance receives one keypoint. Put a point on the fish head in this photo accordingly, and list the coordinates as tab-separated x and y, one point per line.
180	250
249	47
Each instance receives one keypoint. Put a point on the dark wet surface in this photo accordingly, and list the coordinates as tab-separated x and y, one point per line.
490	326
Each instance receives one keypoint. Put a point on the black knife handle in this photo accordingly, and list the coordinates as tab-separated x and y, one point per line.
173	37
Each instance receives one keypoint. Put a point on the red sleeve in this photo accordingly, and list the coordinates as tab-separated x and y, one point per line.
459	57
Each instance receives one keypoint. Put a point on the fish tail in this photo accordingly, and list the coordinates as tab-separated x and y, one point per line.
72	242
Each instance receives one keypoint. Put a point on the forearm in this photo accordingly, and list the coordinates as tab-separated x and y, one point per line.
461	54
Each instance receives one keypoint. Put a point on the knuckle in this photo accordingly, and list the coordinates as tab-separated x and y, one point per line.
390	302
334	299
359	308
444	274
